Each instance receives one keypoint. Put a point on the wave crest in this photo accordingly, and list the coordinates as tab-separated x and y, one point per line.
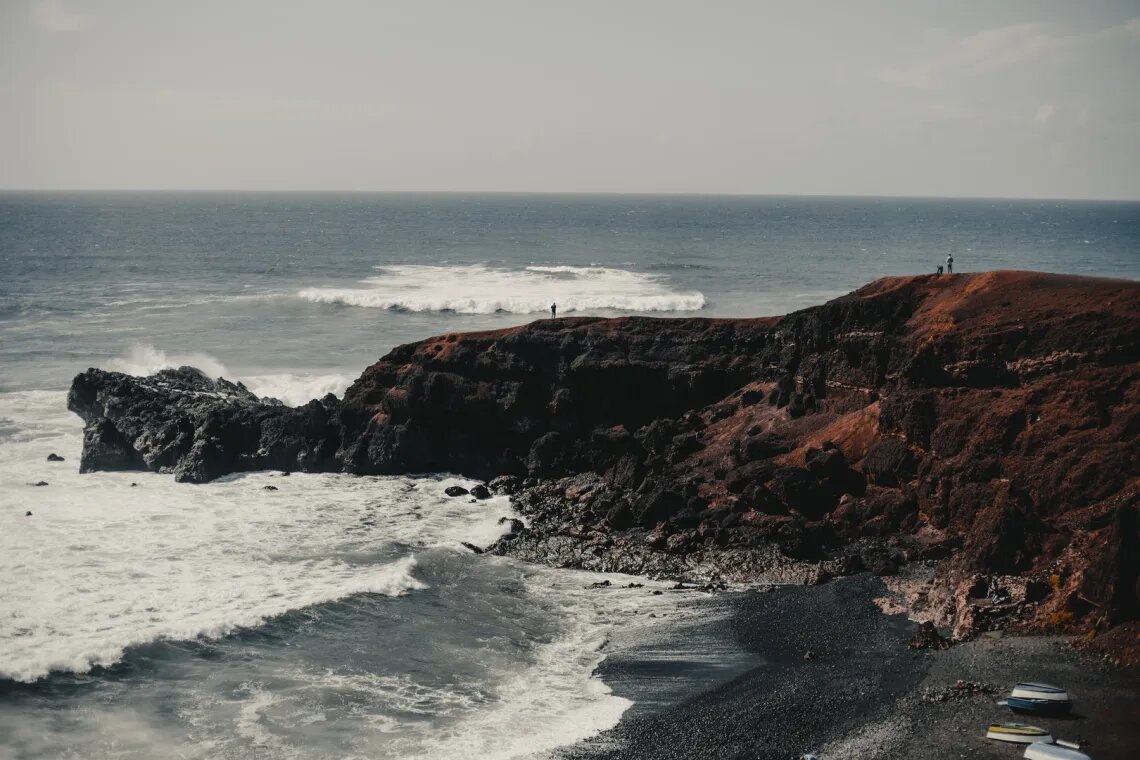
142	360
173	611
291	389
481	289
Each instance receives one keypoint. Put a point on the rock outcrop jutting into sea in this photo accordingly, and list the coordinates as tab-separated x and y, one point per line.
986	421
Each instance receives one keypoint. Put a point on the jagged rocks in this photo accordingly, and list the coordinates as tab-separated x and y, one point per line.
890	463
183	422
454	491
505	485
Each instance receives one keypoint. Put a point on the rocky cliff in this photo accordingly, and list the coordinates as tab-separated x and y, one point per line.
987	422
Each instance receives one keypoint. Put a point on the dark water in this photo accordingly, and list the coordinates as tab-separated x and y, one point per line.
340	617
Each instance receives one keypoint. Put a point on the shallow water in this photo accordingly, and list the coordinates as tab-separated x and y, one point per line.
338	616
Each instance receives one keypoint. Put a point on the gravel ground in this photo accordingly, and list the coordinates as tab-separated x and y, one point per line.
861	694
1106	700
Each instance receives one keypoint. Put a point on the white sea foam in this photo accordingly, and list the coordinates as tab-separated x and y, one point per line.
293	389
142	359
482	289
100	565
297	389
548	699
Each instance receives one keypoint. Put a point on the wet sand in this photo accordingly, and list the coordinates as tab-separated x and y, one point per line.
863	694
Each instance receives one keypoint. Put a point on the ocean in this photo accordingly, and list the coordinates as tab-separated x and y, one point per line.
341	616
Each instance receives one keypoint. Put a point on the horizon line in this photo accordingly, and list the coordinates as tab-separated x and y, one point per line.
278	191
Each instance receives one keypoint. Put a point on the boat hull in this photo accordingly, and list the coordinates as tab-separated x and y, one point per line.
1038	706
1042	751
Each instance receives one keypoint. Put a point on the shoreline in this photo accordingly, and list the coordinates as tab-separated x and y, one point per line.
864	694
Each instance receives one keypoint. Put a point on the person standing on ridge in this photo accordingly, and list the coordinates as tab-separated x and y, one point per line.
553	310
949	263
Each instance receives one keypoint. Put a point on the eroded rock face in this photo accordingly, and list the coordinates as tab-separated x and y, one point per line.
182	422
988	421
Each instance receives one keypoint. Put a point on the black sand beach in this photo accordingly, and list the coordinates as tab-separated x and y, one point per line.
861	693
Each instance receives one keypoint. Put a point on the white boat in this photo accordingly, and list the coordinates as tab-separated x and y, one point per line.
1039	691
1040	751
1018	733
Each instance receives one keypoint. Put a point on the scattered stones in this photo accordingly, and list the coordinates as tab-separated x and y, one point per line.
28	513
517	525
959	691
599	584
481	492
454	491
40	483
269	488
53	457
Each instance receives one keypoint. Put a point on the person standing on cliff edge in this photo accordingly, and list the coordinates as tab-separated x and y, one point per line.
949	263
553	311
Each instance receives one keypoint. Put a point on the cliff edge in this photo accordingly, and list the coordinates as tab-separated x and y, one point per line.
986	422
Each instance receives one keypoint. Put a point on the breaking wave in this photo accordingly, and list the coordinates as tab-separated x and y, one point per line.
171	599
292	389
482	289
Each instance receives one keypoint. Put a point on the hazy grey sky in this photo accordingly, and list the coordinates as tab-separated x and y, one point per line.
915	97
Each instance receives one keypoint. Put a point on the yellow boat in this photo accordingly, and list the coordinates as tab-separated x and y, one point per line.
1018	733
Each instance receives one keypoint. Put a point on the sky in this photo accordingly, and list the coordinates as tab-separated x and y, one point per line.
972	98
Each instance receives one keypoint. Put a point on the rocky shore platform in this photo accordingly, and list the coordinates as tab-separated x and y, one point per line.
981	426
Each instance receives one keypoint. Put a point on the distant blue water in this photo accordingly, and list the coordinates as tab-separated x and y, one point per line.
84	277
341	617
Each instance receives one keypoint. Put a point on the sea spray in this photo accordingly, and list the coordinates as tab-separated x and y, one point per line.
483	289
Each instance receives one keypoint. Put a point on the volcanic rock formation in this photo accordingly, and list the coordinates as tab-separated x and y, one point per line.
988	421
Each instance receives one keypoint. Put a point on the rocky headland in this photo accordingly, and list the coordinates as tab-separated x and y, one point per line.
976	432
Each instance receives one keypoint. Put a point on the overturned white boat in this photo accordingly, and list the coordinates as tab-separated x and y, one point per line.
1039	691
1018	733
1038	699
1040	751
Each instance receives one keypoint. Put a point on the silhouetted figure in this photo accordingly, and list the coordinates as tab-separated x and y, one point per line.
553	311
939	271
949	263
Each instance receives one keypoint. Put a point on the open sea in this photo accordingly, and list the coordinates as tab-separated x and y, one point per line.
340	617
